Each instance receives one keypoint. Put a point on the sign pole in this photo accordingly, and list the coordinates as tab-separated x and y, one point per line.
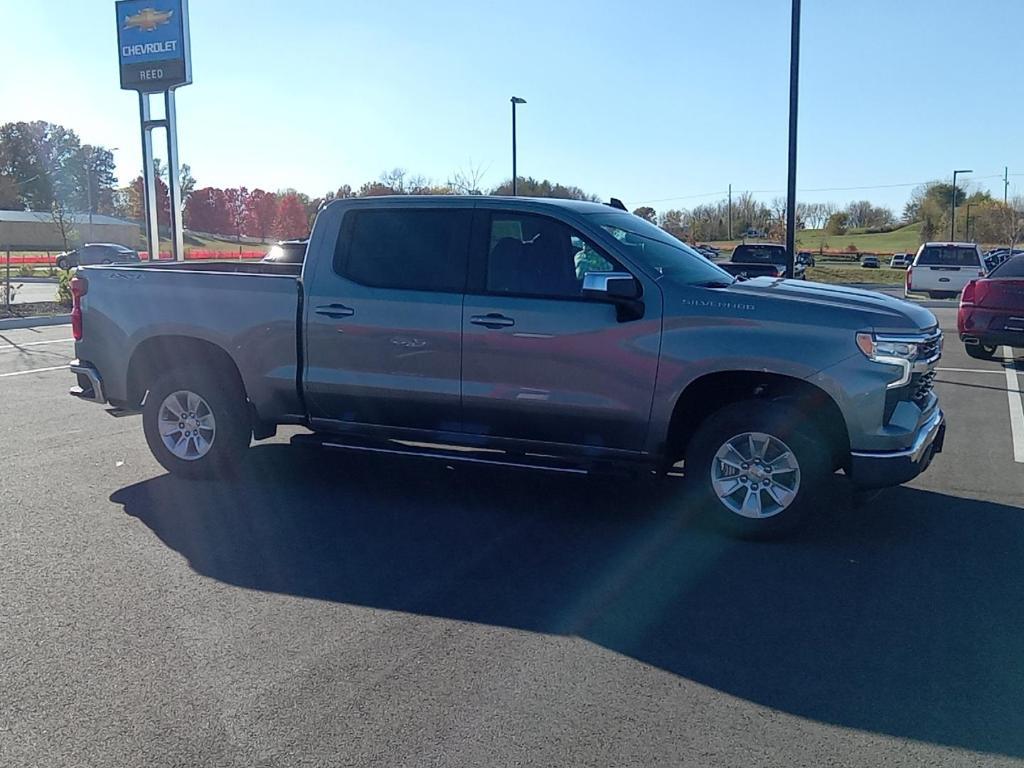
155	57
173	177
149	179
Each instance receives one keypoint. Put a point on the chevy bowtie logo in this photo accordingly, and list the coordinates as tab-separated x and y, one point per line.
148	19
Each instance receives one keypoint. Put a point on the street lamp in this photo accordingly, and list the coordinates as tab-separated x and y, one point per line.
952	205
515	100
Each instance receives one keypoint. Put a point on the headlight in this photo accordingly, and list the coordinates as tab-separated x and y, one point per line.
901	353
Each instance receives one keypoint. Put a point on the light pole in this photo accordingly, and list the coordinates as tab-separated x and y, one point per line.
794	91
952	205
515	100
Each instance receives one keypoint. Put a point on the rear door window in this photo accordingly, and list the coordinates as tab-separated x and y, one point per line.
948	256
416	249
1010	268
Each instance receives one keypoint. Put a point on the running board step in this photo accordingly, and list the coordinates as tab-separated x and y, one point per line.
487	456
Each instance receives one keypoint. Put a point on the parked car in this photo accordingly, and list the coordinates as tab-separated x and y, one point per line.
97	253
539	333
869	261
899	261
992	310
941	270
287	252
758	259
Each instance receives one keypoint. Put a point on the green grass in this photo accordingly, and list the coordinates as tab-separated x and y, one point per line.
902	240
854	273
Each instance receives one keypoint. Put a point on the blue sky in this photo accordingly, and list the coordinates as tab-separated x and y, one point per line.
649	101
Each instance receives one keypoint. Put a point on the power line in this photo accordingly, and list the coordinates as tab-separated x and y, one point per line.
820	189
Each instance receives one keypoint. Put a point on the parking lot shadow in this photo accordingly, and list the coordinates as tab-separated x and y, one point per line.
905	617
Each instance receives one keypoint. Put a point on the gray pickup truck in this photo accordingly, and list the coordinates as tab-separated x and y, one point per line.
543	333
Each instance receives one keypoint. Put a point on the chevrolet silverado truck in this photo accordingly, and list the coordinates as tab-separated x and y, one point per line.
550	334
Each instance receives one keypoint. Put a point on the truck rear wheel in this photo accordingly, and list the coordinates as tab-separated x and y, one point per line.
757	467
195	423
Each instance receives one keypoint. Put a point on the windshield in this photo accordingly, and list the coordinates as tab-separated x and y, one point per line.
662	254
948	256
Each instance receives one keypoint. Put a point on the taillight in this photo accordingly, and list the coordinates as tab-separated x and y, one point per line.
967	297
910	271
79	287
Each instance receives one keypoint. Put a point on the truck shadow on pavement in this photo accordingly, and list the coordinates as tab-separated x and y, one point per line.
905	617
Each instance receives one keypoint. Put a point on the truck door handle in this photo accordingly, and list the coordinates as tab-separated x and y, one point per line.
335	310
492	320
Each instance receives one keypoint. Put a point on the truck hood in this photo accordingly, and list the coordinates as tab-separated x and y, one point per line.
797	297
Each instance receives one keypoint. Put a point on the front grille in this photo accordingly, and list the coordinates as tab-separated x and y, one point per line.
921	386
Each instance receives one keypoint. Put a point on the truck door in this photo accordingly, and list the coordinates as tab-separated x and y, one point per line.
383	318
540	361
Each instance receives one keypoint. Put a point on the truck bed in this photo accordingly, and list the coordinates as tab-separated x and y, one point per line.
247	310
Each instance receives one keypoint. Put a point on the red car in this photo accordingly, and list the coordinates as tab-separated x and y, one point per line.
992	310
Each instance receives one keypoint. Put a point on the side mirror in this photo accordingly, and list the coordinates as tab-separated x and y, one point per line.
618	288
610	286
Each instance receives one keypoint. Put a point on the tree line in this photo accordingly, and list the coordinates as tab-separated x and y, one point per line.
46	167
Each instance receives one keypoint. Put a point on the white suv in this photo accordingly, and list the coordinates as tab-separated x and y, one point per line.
943	269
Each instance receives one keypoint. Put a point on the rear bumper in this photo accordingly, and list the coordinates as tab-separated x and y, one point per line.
994	338
881	469
90	383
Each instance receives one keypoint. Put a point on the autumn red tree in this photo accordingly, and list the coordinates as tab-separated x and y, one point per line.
261	213
206	210
236	200
291	218
138	201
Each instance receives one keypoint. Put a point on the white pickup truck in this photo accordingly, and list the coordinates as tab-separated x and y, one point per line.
943	269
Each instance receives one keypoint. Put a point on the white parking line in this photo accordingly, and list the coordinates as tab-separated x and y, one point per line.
1013	394
35	370
34	344
965	370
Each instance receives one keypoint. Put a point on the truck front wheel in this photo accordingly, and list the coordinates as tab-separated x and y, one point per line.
195	423
757	467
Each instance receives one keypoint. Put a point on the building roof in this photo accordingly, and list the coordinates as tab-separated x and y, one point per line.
45	218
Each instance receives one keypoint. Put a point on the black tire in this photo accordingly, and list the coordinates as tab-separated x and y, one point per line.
223	399
62	264
980	351
787	426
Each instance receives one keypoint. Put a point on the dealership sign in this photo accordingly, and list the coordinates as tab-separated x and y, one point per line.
153	45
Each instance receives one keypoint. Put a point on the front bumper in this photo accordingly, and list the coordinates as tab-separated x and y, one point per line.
90	383
881	469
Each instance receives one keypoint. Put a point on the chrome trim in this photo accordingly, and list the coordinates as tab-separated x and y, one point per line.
598	281
78	367
925	437
449	457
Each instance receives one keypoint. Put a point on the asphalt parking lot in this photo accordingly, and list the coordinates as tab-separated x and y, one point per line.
333	610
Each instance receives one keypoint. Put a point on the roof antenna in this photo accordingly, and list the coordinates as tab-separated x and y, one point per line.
616	203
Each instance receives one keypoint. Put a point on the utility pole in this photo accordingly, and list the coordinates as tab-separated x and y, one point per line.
730	211
1006	182
794	91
